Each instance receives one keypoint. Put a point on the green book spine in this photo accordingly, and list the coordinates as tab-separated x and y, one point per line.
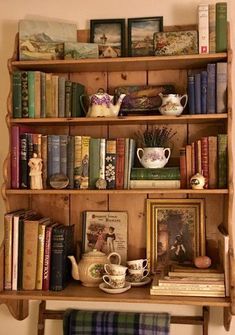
222	160
170	173
31	86
94	166
61	98
74	100
221	27
25	94
17	98
43	95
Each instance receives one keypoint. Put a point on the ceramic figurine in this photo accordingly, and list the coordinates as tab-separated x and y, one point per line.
35	164
197	181
101	105
171	104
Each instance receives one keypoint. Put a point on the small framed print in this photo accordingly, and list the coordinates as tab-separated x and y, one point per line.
109	34
140	35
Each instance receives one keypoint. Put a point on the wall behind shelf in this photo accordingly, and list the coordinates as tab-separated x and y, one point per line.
80	12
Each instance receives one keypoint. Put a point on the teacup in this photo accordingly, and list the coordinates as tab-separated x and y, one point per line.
138	275
115	269
115	281
137	264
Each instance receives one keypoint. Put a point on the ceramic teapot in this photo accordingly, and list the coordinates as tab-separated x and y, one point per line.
171	104
153	158
90	269
101	104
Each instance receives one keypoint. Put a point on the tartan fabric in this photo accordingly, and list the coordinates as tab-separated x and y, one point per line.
77	322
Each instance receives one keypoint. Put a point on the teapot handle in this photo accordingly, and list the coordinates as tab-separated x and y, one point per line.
138	153
82	97
168	155
186	99
115	254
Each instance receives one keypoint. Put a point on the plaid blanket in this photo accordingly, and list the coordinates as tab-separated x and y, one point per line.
78	322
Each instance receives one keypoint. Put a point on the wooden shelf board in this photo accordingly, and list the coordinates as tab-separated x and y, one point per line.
141	119
77	292
121	64
132	191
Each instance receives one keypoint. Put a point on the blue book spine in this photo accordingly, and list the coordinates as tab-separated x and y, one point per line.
203	92
55	152
211	89
198	93
63	154
191	94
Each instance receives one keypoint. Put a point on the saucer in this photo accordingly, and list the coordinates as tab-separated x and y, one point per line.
144	281
104	287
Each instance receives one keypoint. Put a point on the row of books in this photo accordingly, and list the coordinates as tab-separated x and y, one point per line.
207	156
38	95
165	178
36	251
212	27
82	159
207	89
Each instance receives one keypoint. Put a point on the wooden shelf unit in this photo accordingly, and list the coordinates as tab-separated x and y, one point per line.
67	205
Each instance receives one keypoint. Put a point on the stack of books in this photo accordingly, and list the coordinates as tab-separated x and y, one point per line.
165	178
197	283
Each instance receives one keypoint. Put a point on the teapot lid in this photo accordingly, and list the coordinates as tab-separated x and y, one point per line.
94	253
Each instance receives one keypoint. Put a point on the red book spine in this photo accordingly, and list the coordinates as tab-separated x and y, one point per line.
205	159
193	159
120	163
183	170
198	158
47	259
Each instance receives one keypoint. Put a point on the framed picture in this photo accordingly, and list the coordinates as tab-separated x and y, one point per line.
175	232
105	231
109	34
140	35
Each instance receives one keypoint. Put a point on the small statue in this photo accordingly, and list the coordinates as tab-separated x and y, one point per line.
35	164
197	181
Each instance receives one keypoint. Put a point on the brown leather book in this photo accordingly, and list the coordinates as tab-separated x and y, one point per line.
198	156
213	162
205	159
188	164
120	162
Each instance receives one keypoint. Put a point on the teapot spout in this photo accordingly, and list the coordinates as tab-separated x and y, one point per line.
116	108
75	273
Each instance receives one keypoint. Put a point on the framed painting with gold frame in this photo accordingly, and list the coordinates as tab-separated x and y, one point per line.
175	232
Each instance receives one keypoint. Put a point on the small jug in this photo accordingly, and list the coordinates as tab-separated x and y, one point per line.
153	158
171	104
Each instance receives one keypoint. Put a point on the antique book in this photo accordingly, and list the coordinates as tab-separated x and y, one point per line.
221	26
55	88
193	158
61	247
23	165
44	160
70	161
102	158
24	94
212	28
31	93
120	162
63	154
222	160
213	162
85	144
132	148
164	184
61	97
221	87
211	88
106	231
203	28
204	92
77	161
198	100
68	98
16	94
43	95
37	94
77	91
37	144
94	161
188	164
49	95
198	156
126	162
155	174
110	163
191	94
205	159
183	168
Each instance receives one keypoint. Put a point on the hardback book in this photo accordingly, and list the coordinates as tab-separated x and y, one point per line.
213	161
223	247
221	87
126	162
78	90
204	92
16	94
68	98
183	168
49	95
166	280
106	231
190	293
191	93
193	163
164	184
61	96
188	164
222	160
197	273
94	162
131	159
78	50
70	161
203	28
85	162
211	88
53	159
55	99
24	94
61	246
77	161
43	94
212	28
205	159
63	154
198	156
37	94
31	93
120	162
221	26
198	92
102	158
24	158
155	174
110	164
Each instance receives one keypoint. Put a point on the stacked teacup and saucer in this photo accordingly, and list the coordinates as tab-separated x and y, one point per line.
114	279
138	272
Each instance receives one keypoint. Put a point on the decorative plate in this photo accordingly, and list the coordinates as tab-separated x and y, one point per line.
143	282
104	287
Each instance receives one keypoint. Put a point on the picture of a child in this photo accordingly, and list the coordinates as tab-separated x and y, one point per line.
110	238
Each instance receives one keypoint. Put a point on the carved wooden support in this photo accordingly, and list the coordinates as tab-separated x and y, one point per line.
227	318
19	309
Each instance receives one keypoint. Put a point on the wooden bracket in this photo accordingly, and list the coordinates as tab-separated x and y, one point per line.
19	309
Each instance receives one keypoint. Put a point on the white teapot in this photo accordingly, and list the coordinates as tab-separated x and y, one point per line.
171	104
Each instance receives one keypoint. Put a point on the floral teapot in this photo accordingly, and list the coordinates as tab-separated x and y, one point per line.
101	104
171	104
90	269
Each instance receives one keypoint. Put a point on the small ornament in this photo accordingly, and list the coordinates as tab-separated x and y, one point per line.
101	184
202	262
59	181
197	181
35	164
